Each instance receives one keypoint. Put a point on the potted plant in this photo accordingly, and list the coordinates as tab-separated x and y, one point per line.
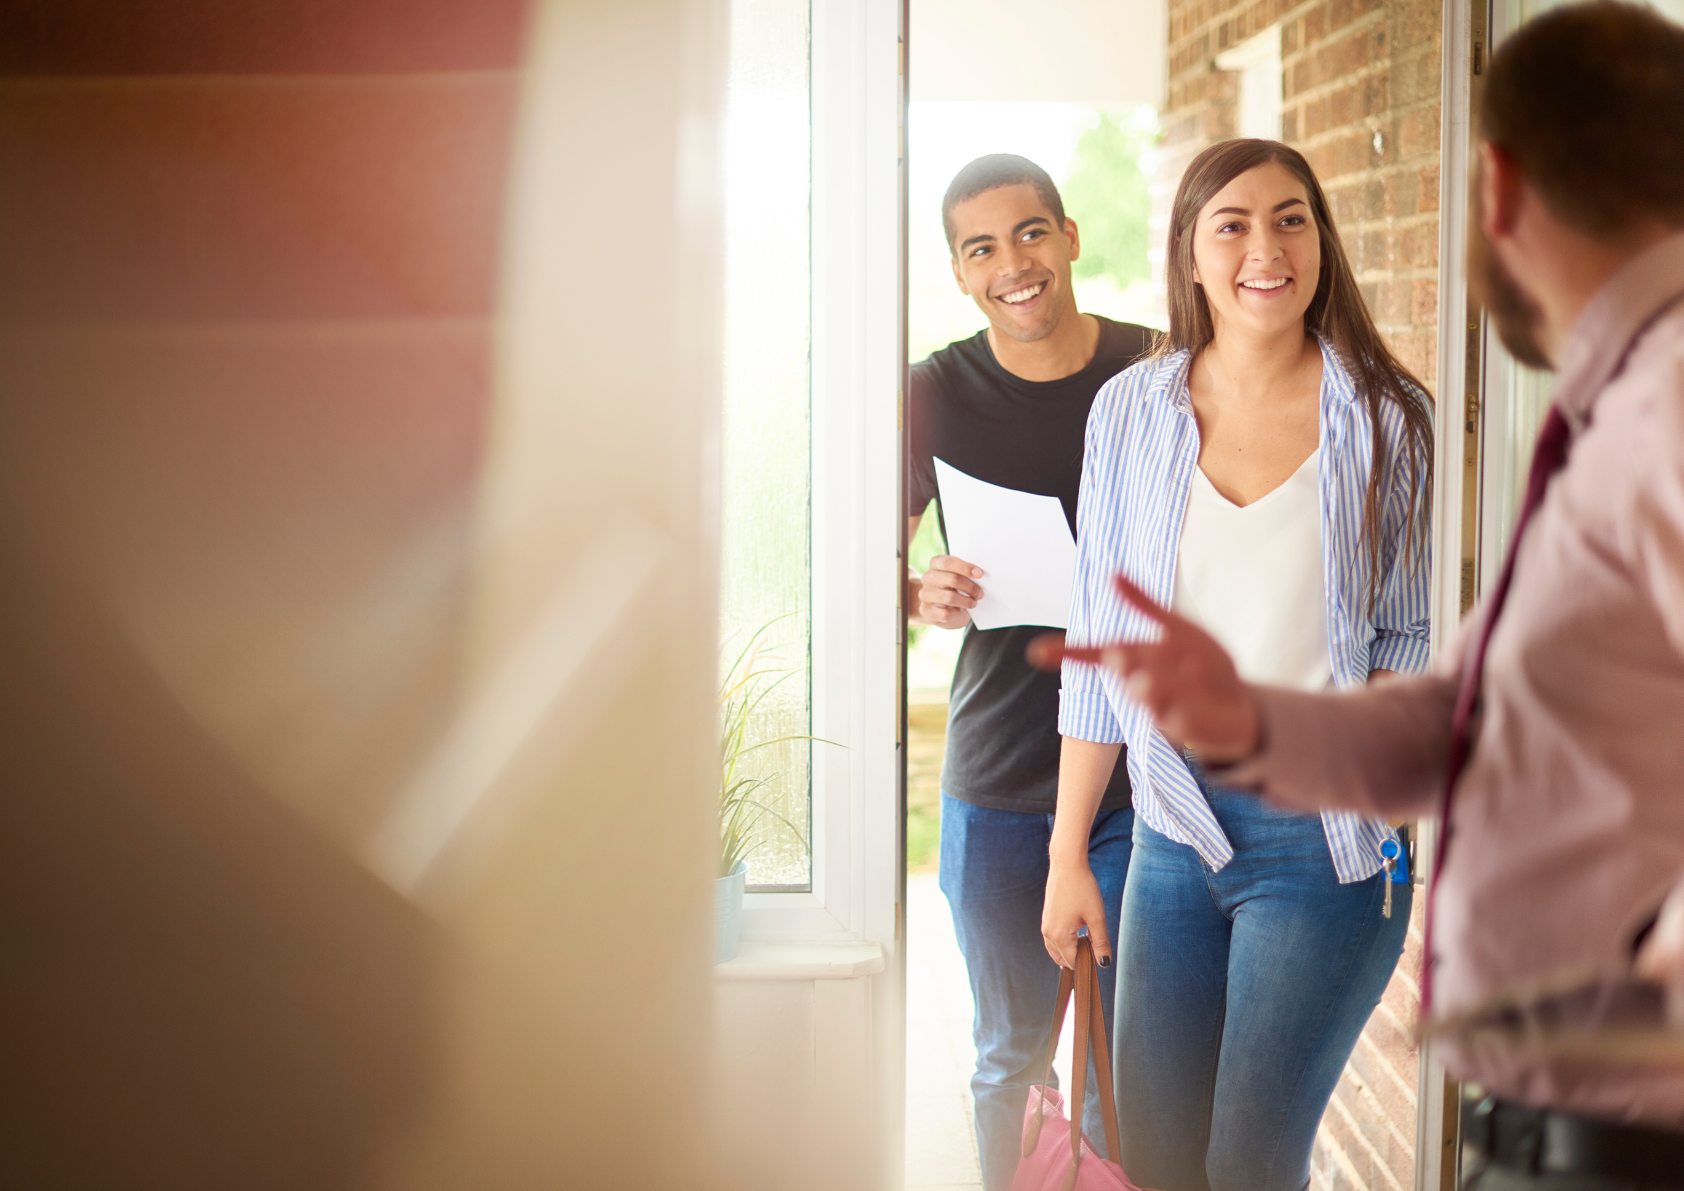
748	681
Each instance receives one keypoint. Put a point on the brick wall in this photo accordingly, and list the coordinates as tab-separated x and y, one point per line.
1367	1137
1360	97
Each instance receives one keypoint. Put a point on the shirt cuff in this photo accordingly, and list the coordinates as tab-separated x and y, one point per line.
1087	715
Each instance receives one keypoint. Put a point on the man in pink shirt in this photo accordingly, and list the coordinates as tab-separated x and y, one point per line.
1553	730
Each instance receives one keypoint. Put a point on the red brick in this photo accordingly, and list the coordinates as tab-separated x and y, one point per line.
1315	24
1416	353
1374	203
1428	194
1394	302
1424	307
1347	205
1337	1127
1344	104
1418	246
1417	24
1418	133
1401	193
1301	77
1315	117
1416	76
1392	1090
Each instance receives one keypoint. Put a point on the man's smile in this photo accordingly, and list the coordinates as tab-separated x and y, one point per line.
1024	294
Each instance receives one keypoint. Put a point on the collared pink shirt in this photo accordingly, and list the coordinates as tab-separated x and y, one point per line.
1569	818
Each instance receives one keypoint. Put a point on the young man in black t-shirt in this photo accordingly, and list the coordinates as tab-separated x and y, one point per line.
1010	406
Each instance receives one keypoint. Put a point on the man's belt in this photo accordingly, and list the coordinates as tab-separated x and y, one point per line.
1548	1141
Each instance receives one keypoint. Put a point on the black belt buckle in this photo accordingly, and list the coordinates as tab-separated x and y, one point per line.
1536	1141
1478	1129
1509	1135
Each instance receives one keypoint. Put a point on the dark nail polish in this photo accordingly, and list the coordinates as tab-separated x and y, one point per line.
1105	961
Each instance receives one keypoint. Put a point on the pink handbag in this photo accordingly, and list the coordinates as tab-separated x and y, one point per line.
1056	1157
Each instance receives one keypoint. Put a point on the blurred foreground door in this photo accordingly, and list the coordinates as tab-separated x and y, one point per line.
359	374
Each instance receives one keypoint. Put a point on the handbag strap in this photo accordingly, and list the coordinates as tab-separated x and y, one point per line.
1090	1042
1083	982
1086	986
1102	1069
1066	986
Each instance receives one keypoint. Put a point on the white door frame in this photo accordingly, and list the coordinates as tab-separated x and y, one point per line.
1455	531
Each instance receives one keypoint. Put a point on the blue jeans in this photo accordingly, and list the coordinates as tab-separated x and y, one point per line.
994	873
1241	996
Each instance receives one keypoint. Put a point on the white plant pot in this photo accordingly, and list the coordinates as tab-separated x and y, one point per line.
728	912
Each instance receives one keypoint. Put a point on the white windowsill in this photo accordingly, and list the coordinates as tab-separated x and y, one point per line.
802	961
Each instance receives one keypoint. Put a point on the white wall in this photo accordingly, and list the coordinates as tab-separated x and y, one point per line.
1100	52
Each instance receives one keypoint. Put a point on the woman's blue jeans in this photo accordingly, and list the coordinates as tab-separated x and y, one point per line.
1240	995
994	873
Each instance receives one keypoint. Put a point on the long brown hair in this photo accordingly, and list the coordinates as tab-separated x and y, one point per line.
1337	313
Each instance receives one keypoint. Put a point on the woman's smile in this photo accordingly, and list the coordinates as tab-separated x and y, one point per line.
1258	231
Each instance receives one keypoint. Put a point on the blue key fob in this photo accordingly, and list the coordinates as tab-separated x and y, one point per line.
1393	851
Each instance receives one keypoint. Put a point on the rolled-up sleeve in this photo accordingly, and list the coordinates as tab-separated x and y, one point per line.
1084	711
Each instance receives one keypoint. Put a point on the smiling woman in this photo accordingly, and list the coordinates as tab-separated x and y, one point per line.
1265	473
1258	175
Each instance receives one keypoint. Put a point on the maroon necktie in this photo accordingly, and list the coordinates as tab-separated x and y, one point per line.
1547	459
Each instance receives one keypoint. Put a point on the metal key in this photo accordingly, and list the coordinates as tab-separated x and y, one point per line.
1388	857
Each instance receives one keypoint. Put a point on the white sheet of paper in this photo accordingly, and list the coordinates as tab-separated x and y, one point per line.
1022	543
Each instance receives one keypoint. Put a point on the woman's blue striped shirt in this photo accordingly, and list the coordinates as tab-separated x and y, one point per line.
1142	447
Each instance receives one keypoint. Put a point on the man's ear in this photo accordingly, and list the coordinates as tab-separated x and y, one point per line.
959	277
1075	238
1499	184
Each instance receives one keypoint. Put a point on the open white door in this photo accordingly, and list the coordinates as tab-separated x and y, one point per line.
809	1020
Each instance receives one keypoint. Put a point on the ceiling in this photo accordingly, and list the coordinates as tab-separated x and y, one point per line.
1107	53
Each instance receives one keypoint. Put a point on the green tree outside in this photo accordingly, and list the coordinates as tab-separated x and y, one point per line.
1107	194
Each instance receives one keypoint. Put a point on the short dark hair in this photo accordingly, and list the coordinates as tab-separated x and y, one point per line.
996	170
1589	102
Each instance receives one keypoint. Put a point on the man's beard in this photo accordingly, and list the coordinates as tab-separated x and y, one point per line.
1517	316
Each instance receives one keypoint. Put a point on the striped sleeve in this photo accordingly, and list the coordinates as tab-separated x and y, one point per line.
1084	709
1402	633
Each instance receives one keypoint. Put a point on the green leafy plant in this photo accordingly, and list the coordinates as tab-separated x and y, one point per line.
750	679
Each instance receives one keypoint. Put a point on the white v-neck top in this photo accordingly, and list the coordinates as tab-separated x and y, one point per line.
1138	465
1252	577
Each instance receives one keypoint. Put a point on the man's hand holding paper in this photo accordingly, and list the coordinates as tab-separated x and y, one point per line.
947	592
1018	545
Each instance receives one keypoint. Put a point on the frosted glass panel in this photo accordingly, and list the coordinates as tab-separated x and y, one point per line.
1516	400
767	459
